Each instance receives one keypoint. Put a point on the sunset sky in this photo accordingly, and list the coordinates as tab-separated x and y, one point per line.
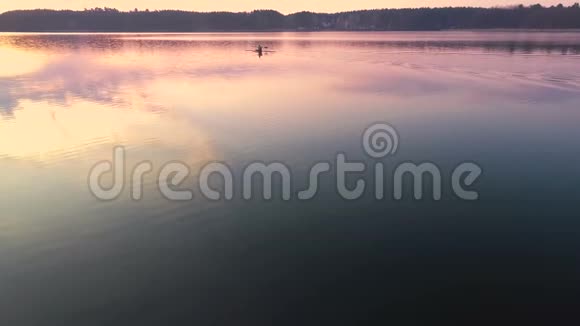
285	6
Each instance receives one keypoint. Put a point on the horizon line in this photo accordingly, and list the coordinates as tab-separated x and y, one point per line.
507	7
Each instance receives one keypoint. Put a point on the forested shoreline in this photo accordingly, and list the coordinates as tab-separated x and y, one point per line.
112	20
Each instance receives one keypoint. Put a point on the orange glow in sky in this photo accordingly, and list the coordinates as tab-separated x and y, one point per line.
285	6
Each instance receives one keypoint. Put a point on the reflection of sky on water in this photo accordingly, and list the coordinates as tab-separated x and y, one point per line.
508	101
95	67
85	90
199	97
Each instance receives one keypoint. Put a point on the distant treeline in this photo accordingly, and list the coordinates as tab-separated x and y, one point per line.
112	20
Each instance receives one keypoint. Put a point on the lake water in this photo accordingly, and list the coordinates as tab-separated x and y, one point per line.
506	101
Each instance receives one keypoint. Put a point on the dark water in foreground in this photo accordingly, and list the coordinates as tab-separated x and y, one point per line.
507	101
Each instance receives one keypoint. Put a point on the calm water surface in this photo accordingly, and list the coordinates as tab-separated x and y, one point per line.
509	101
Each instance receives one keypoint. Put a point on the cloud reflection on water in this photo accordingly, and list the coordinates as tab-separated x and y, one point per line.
173	87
